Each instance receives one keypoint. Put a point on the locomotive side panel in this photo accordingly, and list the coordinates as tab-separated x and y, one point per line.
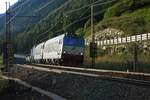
32	54
53	48
38	52
63	50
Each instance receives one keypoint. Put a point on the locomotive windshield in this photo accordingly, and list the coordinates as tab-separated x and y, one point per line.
72	41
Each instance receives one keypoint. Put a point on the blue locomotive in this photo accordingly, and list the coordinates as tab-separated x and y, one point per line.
61	50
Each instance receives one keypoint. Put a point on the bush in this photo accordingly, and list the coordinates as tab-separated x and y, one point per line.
134	23
125	6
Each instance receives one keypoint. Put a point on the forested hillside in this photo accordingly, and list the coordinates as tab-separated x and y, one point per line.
59	16
131	16
59	19
2	22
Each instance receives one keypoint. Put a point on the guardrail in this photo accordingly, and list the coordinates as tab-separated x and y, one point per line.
123	40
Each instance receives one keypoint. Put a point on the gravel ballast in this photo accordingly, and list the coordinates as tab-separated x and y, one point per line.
79	87
10	90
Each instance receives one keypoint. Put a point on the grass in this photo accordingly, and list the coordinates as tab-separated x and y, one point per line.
119	62
1	60
110	63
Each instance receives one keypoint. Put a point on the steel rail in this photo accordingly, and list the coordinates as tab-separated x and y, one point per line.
140	79
39	90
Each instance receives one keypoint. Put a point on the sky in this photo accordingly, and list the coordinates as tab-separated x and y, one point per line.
3	5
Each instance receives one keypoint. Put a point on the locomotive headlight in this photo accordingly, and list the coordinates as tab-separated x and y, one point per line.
64	51
81	53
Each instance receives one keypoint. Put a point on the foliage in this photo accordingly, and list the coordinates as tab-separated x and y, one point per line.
80	32
131	16
125	6
132	23
59	22
1	60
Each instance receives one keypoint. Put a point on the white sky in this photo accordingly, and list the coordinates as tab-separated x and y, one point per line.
3	5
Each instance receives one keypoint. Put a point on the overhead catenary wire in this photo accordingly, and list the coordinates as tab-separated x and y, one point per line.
51	29
51	2
54	27
65	5
77	9
87	16
94	4
54	11
19	7
89	6
98	4
44	33
84	13
62	6
80	20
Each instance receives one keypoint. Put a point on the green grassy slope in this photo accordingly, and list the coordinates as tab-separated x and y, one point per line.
131	16
1	60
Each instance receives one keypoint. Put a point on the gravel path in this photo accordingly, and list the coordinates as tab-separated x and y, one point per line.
76	87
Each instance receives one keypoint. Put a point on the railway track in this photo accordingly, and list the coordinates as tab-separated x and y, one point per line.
51	95
81	85
141	79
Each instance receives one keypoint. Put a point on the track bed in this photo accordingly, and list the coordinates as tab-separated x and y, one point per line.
81	87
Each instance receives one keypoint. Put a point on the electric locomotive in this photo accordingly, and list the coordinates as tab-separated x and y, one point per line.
62	50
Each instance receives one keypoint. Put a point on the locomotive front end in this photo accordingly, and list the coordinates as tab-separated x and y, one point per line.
73	50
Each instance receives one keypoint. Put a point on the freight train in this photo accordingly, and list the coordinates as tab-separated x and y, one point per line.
62	50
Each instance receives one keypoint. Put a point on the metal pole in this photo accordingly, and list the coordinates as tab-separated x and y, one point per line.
10	40
93	35
135	60
7	41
